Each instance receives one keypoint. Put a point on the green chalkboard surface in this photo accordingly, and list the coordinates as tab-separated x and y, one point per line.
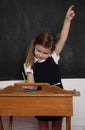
21	20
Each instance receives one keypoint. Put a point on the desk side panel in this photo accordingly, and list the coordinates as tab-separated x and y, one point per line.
32	106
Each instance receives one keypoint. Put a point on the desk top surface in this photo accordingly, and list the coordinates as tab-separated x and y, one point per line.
47	90
36	94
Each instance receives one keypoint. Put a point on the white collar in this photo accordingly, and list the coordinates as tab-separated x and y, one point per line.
38	60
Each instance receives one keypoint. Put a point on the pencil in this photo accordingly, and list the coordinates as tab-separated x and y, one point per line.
23	76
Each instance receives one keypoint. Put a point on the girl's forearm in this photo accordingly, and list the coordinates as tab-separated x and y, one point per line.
63	36
65	30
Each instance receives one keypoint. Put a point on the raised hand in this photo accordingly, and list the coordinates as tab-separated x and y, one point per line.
70	13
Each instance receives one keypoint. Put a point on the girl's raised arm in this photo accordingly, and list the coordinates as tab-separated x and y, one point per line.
65	30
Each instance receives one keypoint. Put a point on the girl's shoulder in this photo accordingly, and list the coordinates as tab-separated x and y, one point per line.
28	69
55	57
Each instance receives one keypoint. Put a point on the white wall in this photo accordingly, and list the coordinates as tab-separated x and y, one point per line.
78	119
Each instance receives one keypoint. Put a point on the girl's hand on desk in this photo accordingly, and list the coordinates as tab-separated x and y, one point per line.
30	87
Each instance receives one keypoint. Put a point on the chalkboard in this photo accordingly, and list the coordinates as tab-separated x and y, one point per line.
21	20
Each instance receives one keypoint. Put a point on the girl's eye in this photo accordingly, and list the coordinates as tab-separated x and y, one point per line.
38	50
45	53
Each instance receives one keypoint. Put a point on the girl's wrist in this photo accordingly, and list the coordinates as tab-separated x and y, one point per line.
67	20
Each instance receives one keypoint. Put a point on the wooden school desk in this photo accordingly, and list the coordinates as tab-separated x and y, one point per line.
15	100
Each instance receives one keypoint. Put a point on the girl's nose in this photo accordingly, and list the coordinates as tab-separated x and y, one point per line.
41	54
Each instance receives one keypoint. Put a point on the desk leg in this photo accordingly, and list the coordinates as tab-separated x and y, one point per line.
1	125
68	123
10	122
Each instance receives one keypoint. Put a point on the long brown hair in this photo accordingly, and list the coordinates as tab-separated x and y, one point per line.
44	39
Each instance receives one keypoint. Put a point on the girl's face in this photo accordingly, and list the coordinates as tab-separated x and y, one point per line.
41	53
